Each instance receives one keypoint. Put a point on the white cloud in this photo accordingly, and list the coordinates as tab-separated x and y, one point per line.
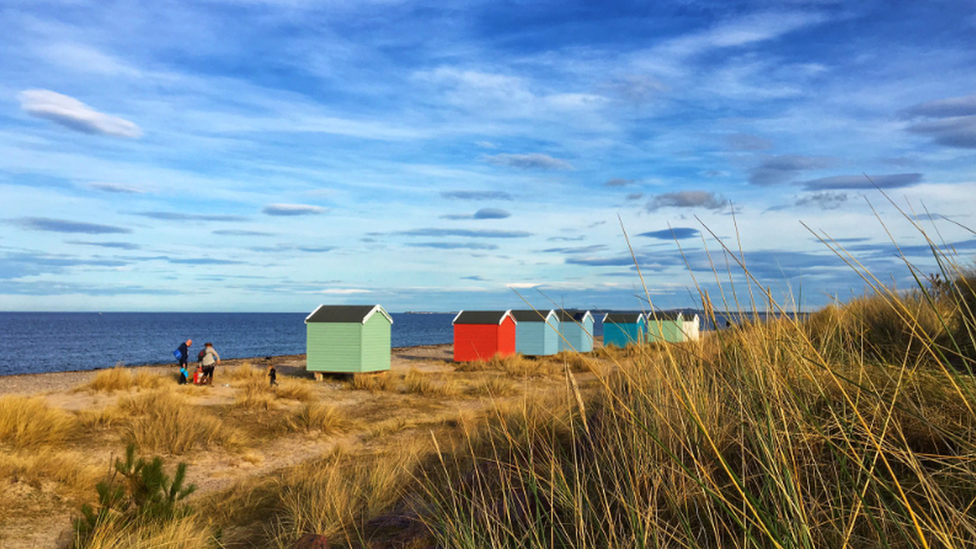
73	114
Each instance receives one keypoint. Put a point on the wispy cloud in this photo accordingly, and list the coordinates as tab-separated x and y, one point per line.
839	182
117	188
634	196
476	278
619	182
531	161
687	199
823	200
292	209
950	122
470	233
747	142
203	261
110	245
315	249
75	115
484	213
240	232
680	233
576	250
342	291
784	168
944	108
477	195
179	216
453	245
65	226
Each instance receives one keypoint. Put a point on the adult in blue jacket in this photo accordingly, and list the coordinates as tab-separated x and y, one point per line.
184	350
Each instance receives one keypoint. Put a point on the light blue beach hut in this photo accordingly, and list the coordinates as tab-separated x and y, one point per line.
536	332
576	328
623	329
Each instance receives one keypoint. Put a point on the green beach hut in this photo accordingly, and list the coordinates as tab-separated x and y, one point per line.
673	327
665	326
348	339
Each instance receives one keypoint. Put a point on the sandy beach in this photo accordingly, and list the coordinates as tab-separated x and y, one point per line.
423	393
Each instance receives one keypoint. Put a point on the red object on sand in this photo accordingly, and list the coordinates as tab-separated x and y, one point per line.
480	335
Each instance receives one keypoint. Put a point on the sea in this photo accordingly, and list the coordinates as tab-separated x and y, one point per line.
58	342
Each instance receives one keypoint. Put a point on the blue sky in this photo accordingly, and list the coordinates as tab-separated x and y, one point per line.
271	155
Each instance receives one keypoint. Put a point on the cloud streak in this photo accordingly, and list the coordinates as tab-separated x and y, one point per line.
468	233
532	161
476	195
453	245
179	216
784	168
484	213
680	233
292	209
687	199
65	226
117	188
850	182
73	114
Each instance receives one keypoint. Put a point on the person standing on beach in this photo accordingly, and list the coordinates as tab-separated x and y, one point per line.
184	350
210	357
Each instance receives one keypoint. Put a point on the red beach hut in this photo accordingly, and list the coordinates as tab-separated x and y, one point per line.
480	335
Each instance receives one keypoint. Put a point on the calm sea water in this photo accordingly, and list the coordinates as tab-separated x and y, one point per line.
56	342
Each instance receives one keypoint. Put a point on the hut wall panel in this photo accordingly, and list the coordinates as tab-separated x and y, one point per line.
506	337
622	335
537	338
333	347
376	344
578	337
475	342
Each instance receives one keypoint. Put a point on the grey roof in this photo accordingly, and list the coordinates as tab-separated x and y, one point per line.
346	313
528	315
570	315
622	318
482	317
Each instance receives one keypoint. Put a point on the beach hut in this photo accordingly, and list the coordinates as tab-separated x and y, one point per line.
673	327
622	329
348	339
576	328
536	332
692	327
665	326
480	335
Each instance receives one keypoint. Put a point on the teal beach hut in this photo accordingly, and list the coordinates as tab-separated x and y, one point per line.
348	339
536	332
576	328
623	329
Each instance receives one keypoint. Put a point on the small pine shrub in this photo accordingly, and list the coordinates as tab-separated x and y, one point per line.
138	493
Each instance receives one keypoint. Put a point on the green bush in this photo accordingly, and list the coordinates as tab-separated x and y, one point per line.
143	495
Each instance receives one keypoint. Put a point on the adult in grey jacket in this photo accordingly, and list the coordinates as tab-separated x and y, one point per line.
210	358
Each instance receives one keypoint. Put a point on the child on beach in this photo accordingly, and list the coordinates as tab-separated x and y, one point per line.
273	375
198	377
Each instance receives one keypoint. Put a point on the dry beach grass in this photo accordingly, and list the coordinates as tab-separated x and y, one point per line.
855	427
